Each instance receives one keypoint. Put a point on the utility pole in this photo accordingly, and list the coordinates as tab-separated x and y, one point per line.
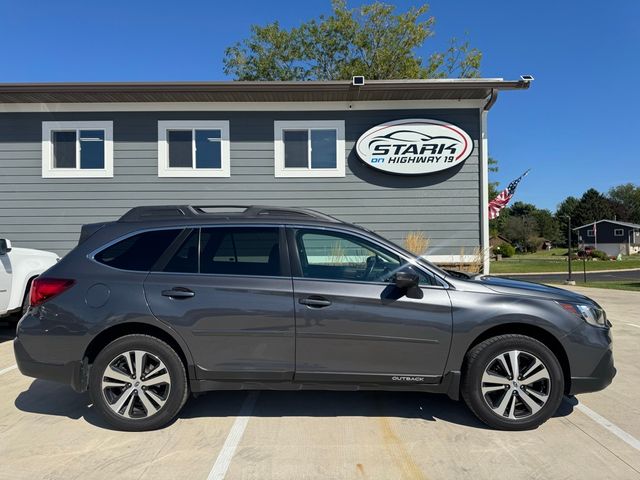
569	280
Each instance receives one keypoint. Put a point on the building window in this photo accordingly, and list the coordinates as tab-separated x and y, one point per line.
618	232
590	233
193	149
309	148
77	149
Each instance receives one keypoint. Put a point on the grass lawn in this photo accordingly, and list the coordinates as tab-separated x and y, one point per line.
632	286
554	261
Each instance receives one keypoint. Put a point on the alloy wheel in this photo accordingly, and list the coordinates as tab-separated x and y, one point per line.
136	384
516	384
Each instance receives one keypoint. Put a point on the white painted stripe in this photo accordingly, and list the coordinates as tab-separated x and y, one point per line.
617	431
225	456
632	325
8	369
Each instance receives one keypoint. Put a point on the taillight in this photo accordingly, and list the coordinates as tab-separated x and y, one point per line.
43	289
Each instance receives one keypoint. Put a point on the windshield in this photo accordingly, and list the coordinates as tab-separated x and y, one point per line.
434	268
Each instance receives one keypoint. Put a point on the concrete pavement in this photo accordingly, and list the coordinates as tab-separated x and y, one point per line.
48	431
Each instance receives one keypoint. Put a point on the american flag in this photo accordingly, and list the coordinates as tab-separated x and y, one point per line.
504	197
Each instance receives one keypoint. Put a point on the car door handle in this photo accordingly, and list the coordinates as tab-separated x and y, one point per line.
178	292
317	302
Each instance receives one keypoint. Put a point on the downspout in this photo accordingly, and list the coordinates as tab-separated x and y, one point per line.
492	99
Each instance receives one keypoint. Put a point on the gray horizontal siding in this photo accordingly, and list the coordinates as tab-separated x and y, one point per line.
48	213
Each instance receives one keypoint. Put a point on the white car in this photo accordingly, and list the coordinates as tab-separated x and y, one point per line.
18	268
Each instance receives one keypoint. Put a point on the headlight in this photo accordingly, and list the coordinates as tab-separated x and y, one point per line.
589	313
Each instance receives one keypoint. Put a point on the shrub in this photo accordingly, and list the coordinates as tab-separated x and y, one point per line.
505	250
416	242
599	254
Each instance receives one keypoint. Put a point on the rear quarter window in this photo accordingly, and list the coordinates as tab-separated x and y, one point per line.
138	252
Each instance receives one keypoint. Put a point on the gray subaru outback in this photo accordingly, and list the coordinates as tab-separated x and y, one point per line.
173	300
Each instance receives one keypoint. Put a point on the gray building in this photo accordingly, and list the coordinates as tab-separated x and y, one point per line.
393	156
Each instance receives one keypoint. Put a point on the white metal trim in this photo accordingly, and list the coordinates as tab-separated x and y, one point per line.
282	172
163	149
484	193
48	171
236	106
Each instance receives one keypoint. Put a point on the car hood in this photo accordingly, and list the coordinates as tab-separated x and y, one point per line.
519	287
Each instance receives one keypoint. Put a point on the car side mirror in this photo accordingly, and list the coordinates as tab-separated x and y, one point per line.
5	246
406	278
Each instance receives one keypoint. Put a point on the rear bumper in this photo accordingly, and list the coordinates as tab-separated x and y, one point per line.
599	379
74	374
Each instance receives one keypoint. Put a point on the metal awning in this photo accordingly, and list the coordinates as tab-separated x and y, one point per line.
236	91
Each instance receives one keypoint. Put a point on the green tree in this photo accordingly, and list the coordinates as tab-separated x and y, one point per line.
493	186
567	208
593	206
522	231
372	41
627	196
522	209
548	226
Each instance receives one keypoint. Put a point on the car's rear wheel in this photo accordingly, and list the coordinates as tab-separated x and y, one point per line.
512	382
138	382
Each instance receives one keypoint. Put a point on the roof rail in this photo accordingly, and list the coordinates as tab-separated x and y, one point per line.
162	212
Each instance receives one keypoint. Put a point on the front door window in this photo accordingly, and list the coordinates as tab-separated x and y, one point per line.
341	256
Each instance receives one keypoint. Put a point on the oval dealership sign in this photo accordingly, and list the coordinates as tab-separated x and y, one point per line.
414	146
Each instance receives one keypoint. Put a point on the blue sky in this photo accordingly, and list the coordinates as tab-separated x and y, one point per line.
576	127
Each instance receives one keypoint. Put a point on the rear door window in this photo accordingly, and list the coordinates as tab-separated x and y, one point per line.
138	252
240	251
185	259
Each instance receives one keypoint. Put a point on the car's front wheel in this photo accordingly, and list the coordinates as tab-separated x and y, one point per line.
138	382
512	382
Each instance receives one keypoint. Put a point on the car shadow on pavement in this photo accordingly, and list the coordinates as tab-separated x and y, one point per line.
48	398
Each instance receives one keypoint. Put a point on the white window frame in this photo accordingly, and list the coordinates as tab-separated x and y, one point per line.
590	233
281	172
616	230
48	170
163	148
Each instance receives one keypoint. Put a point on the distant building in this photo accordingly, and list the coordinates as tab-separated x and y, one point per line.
610	236
496	240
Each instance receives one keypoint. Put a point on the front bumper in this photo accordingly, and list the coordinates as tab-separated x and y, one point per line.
600	378
74	374
590	355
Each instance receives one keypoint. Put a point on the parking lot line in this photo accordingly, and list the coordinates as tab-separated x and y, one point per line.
8	369
617	431
225	456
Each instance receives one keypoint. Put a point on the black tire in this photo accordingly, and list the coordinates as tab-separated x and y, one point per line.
177	393
482	355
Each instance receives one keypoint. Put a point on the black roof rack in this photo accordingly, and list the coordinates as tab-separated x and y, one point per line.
170	212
